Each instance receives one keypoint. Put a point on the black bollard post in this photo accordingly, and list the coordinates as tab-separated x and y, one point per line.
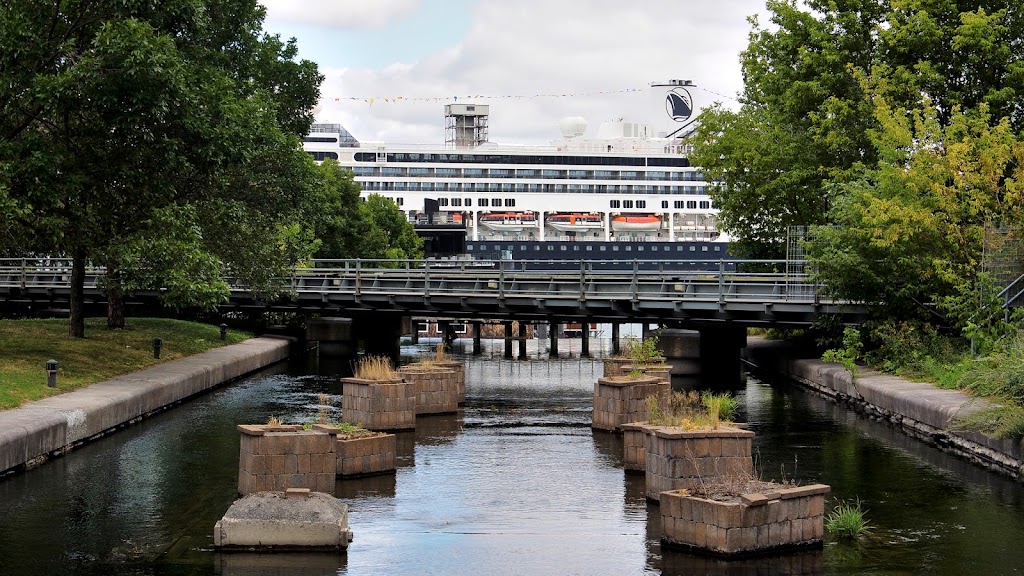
51	373
157	344
223	331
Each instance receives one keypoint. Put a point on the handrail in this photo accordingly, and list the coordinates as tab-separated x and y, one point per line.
1015	297
634	280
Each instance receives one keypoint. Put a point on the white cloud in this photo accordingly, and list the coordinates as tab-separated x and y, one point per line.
342	14
528	47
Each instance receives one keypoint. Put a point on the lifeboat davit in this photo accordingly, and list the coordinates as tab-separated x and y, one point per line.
639	222
576	222
509	221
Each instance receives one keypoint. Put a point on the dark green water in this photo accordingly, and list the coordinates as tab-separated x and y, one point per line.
517	483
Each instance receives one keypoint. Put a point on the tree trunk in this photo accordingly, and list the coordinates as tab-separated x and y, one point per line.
77	313
115	297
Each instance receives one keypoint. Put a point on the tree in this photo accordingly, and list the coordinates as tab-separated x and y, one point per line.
910	232
117	115
391	235
348	227
805	120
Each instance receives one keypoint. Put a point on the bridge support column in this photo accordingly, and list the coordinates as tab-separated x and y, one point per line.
553	347
585	340
414	331
334	336
477	329
615	338
444	328
508	339
720	352
380	335
522	340
682	350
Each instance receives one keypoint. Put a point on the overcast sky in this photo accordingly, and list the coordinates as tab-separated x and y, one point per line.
596	56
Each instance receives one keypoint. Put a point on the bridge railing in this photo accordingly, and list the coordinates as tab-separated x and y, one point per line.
597	279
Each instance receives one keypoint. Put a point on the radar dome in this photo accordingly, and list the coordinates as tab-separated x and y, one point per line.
573	126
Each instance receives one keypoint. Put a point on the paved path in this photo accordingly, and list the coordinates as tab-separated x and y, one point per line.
36	430
919	408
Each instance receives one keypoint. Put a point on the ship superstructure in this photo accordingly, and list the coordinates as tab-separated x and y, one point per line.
628	186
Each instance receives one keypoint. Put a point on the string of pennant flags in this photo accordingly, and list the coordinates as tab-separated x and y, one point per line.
400	99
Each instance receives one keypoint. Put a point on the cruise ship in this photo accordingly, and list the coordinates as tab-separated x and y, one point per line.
627	193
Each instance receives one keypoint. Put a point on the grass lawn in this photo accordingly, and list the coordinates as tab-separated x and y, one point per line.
26	345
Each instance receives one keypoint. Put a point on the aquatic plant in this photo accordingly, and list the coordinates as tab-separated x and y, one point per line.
690	410
846	521
375	368
323	401
642	351
349	431
274	421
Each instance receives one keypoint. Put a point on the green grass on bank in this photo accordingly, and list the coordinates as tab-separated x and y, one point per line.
26	345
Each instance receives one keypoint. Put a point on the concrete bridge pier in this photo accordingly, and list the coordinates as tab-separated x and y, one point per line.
720	349
585	341
334	336
508	339
522	340
553	340
615	338
682	350
477	344
381	336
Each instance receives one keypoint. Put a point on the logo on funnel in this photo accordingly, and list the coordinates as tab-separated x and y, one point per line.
678	104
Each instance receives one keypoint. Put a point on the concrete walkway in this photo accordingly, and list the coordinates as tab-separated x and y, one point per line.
920	408
53	425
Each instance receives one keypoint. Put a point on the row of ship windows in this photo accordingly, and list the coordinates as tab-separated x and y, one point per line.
589	248
511	203
677	162
656	175
536	188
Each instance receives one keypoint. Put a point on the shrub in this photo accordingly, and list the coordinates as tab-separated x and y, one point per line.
846	521
691	410
642	351
1001	422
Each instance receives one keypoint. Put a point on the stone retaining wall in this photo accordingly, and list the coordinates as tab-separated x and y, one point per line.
621	401
676	456
275	458
54	425
756	523
919	408
379	404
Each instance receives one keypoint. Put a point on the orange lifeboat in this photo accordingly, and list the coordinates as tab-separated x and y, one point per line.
636	222
575	222
509	221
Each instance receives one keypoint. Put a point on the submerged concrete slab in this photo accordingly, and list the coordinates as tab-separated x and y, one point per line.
276	521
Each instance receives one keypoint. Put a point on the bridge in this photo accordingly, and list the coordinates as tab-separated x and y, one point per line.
526	290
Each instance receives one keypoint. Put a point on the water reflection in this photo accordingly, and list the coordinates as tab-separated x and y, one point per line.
516	482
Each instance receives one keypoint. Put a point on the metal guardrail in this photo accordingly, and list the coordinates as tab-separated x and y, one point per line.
631	280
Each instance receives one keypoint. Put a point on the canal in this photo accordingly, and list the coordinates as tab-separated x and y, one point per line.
517	483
